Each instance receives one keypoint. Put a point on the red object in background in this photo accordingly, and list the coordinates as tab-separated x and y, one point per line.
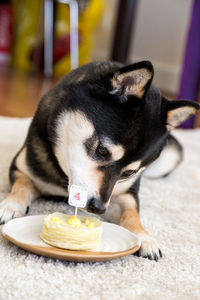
60	49
5	33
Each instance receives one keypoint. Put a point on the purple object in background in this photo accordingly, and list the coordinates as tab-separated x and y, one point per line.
190	77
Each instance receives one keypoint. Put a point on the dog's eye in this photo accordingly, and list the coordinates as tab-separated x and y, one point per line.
128	173
102	151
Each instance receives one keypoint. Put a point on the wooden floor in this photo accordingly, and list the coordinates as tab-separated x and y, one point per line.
20	93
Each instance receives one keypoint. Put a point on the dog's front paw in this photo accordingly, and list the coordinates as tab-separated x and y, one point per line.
149	248
10	208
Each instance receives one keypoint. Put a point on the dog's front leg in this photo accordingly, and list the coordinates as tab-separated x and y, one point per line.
17	203
125	206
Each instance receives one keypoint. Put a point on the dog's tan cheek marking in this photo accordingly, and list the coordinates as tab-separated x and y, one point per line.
133	166
122	187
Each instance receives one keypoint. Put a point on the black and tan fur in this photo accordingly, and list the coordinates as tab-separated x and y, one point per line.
102	125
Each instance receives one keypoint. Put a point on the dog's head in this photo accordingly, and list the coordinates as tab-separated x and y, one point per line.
112	124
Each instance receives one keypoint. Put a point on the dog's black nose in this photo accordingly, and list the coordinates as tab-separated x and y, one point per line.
96	206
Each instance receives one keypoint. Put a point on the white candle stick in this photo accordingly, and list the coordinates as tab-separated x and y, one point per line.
76	209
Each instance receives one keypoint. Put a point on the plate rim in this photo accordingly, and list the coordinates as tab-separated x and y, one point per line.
71	255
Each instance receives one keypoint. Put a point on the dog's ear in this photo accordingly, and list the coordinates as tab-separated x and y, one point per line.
132	80
178	111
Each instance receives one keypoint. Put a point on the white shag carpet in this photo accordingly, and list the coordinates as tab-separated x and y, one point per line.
170	210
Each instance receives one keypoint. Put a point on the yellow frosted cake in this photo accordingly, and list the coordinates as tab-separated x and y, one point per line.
70	232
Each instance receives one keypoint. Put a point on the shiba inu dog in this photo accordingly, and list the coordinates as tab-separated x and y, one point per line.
101	126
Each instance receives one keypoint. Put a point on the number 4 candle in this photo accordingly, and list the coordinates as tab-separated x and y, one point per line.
78	197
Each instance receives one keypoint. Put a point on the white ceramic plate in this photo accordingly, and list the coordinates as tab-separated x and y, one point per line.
116	241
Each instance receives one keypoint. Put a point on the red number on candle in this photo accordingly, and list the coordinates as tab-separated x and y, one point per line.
77	196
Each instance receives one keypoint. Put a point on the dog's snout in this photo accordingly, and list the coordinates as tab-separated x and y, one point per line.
96	206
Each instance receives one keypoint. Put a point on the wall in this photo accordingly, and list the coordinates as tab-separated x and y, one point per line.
160	32
159	35
103	35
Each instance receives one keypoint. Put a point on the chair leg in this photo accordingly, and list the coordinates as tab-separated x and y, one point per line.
74	21
48	37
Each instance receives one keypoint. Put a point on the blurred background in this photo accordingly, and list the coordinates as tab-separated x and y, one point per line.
42	40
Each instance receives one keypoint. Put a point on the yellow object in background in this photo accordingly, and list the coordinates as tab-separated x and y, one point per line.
28	36
87	21
26	20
